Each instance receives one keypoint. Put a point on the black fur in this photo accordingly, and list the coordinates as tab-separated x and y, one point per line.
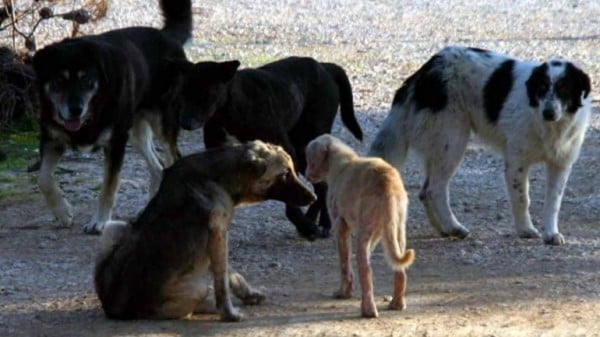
576	83
481	51
497	89
538	84
429	88
288	102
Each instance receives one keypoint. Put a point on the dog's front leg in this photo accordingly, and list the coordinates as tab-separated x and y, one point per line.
113	161
60	207
517	185
556	180
218	252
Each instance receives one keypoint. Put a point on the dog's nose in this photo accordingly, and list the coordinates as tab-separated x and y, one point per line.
75	111
549	114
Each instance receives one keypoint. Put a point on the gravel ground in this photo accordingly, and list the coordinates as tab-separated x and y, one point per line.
491	284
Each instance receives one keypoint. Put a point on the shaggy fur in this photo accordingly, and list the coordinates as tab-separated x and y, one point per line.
152	268
531	112
365	195
95	89
288	102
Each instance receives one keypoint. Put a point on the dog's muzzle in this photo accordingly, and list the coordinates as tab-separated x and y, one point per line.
292	191
549	114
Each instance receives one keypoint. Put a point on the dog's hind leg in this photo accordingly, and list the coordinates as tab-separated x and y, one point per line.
113	161
142	140
442	153
398	301
344	247
183	299
242	290
364	247
60	207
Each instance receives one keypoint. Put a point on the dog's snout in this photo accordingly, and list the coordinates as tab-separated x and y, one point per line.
549	114
292	191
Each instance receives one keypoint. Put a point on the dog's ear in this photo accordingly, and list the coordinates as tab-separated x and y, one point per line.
318	151
252	163
537	84
579	84
228	69
172	77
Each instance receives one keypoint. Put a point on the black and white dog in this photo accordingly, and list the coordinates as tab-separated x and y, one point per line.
530	111
96	89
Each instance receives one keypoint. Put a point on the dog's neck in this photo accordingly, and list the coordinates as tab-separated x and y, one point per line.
338	160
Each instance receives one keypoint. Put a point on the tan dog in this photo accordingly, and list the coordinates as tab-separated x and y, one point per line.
365	195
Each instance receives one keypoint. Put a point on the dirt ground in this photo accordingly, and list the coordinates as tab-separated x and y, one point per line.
490	284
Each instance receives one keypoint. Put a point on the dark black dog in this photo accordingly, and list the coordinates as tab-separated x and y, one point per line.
94	89
153	267
287	102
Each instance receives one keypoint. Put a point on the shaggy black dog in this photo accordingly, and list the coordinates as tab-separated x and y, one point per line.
288	102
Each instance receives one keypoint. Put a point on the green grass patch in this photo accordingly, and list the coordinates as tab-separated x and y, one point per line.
20	149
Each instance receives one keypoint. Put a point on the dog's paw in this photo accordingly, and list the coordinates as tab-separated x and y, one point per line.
369	311
64	215
94	227
255	297
324	232
555	239
528	233
66	221
457	232
232	315
397	304
310	233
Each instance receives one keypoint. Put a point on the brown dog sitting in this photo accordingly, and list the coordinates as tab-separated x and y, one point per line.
153	267
365	195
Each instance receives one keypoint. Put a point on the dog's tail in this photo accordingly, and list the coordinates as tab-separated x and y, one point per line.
392	142
177	19
394	237
346	100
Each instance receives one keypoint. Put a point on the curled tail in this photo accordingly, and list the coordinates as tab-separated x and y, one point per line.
394	238
177	19
346	100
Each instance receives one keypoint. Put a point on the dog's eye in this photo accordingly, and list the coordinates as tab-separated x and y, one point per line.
543	89
561	89
57	84
89	83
